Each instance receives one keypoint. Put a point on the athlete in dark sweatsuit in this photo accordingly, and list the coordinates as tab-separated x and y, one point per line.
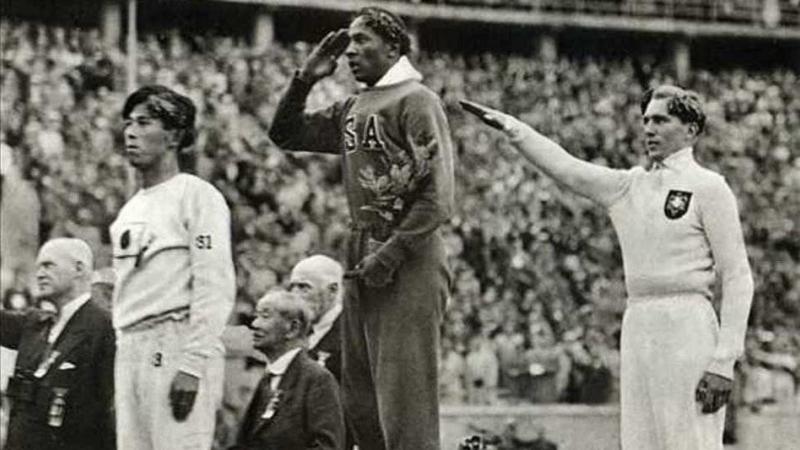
398	171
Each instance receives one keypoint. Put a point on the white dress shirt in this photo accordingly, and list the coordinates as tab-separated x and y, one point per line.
278	368
66	313
321	328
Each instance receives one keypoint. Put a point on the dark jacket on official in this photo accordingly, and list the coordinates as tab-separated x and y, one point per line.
308	414
81	369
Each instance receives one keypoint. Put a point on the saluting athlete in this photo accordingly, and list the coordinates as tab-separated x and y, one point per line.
397	159
679	230
175	284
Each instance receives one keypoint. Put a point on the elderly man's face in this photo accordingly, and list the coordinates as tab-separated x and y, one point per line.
313	289
146	139
664	134
368	54
56	272
269	327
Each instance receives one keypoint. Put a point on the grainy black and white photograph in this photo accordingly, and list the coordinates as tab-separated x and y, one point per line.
400	224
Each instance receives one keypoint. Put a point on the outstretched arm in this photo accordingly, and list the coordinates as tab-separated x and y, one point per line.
597	183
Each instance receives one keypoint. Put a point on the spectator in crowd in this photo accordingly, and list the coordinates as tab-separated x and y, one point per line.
63	386
548	365
296	405
452	374
482	371
318	279
19	221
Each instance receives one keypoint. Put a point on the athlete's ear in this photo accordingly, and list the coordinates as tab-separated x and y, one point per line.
174	139
694	129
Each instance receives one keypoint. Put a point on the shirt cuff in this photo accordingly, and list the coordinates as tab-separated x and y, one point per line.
722	366
193	364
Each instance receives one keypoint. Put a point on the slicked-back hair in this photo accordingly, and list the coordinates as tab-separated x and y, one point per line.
388	26
681	103
175	111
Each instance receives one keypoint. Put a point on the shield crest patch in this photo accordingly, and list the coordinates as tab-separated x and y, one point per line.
677	204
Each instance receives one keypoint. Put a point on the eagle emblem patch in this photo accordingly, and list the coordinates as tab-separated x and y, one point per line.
677	204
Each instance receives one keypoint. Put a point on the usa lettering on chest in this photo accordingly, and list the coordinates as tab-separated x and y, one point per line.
370	138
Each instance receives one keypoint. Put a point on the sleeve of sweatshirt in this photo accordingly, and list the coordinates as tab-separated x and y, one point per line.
294	129
598	183
213	280
427	133
720	218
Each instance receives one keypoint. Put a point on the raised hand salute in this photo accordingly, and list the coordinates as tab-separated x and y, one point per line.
322	60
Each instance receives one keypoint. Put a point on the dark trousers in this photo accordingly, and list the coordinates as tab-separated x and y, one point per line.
390	353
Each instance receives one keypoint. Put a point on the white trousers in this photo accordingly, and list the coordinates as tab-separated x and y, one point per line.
667	344
146	363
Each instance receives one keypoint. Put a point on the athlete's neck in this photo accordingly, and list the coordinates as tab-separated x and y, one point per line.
163	171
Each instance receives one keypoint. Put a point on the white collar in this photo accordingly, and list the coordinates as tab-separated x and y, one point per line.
279	366
401	71
65	314
679	157
321	328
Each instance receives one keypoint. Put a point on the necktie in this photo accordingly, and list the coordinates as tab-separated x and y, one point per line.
42	357
265	394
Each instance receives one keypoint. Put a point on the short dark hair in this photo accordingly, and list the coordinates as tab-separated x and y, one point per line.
176	111
681	103
387	25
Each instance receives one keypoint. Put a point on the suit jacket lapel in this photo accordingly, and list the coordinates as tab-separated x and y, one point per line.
254	411
76	330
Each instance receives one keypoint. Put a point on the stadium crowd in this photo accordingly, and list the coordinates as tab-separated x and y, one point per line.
538	290
768	13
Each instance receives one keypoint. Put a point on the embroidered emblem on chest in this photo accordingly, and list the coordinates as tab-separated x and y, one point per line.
677	204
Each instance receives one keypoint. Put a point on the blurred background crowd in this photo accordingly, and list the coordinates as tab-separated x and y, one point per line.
770	13
538	293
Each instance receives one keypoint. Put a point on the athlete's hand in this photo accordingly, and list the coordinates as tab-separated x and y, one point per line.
322	60
494	118
713	392
182	394
372	271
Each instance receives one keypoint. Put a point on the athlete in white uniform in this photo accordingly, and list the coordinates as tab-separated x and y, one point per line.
678	227
175	284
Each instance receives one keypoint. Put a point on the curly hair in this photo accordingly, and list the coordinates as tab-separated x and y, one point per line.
388	26
681	103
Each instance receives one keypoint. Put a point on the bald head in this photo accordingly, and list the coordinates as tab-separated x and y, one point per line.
64	269
318	279
319	266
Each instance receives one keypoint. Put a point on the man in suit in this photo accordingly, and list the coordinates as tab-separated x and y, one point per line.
63	386
296	405
318	279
